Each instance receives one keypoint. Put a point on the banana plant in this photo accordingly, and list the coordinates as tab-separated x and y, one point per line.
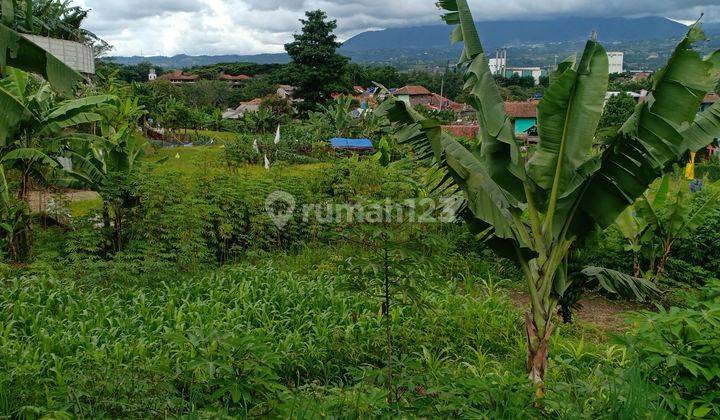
653	226
535	210
44	120
105	166
15	226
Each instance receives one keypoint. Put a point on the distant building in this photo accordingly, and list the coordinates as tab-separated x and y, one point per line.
639	76
286	92
498	67
234	80
499	63
177	77
414	95
152	75
523	115
535	72
76	55
709	100
469	131
237	113
638	96
616	62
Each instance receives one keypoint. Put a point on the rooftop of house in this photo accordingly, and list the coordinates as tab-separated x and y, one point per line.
231	77
256	101
412	90
527	109
179	75
441	102
711	98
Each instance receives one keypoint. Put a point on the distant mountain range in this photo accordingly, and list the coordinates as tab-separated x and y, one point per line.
406	47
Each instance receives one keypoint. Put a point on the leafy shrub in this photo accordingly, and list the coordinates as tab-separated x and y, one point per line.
709	169
702	250
296	147
677	351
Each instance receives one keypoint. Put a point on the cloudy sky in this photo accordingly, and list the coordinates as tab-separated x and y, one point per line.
168	27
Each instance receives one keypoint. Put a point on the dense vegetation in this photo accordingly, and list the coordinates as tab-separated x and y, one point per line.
169	289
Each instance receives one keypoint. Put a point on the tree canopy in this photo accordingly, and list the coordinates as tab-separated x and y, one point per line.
317	70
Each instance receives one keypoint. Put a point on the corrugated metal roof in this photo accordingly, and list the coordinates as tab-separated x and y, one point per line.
357	144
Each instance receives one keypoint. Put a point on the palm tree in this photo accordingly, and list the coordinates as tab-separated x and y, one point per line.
535	210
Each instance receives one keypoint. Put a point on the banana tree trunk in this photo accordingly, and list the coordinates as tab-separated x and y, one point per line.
24	184
538	350
667	246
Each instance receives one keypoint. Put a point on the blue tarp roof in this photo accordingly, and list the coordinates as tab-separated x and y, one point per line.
338	143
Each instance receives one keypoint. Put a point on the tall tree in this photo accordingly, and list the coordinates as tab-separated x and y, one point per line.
317	70
535	210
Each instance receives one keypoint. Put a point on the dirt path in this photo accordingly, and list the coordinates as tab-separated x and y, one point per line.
607	315
39	199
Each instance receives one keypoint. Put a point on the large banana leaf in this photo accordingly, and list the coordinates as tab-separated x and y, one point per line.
79	105
14	113
621	284
704	130
28	155
8	11
499	150
568	116
87	173
652	139
15	82
493	210
17	51
57	125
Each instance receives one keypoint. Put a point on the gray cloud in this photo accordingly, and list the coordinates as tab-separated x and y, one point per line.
138	9
255	26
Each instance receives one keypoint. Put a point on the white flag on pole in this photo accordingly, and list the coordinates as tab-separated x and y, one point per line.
277	135
267	163
255	147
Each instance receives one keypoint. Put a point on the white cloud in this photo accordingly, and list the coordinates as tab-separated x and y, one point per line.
256	26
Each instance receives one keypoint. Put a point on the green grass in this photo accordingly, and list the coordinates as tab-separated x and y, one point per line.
219	136
84	207
201	160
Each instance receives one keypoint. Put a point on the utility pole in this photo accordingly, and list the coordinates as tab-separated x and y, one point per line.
442	83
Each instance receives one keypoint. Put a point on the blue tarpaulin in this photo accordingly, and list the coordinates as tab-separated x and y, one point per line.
353	144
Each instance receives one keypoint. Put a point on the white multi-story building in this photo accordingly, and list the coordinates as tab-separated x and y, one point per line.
499	63
499	67
616	61
152	76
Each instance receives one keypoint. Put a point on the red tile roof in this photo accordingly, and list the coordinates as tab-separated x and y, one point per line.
711	98
468	131
231	77
178	75
441	102
413	90
526	109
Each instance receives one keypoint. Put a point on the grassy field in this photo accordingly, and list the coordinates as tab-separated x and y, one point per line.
212	311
